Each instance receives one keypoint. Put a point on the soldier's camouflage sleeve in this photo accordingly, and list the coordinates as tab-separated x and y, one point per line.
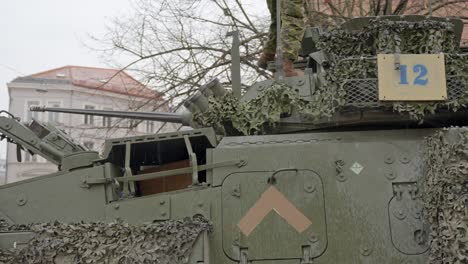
270	44
292	30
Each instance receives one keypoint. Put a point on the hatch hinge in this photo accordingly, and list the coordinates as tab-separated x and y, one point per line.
244	257
306	258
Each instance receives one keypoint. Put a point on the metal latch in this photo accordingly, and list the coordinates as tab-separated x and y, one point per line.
244	257
306	258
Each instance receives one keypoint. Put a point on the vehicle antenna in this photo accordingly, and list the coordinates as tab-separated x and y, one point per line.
430	7
235	64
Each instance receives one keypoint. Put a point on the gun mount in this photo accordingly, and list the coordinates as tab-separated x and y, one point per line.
47	141
336	173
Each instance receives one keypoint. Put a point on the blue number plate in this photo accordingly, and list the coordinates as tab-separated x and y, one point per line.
411	77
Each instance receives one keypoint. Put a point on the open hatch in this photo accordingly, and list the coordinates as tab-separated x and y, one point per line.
160	163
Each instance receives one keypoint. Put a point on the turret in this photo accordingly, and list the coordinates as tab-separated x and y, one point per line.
343	85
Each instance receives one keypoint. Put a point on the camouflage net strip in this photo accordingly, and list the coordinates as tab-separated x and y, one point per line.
167	242
445	195
349	54
386	36
253	116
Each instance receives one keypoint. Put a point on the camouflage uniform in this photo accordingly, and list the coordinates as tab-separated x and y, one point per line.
292	28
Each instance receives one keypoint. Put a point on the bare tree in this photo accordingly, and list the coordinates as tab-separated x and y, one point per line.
329	13
176	46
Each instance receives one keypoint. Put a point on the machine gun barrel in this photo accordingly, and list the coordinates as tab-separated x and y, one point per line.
154	116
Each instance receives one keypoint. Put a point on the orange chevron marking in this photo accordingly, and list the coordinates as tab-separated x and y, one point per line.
272	199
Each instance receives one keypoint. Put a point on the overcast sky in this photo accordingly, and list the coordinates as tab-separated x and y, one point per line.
37	35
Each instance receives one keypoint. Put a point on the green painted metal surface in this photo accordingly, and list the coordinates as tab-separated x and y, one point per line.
303	188
354	210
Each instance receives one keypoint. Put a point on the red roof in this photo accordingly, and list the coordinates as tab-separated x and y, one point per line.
110	80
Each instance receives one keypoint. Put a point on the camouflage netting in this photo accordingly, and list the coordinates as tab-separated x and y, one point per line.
349	53
445	195
167	242
4	226
252	117
351	56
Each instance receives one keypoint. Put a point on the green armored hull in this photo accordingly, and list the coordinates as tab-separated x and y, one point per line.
312	169
362	207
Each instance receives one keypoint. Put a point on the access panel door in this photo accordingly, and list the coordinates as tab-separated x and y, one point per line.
273	215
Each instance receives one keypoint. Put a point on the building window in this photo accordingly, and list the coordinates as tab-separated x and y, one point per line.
32	115
89	119
89	145
107	121
149	126
54	117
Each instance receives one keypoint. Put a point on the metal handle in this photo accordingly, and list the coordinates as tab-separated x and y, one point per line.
9	114
272	179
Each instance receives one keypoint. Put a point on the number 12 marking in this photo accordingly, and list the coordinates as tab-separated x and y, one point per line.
419	80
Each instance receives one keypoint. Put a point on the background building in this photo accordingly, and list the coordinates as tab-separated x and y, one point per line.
86	88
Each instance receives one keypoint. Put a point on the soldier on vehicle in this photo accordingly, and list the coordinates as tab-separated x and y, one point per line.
292	31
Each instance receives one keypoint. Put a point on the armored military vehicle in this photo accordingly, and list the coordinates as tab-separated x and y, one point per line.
363	159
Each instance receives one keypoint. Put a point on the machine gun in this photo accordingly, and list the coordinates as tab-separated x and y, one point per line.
45	140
